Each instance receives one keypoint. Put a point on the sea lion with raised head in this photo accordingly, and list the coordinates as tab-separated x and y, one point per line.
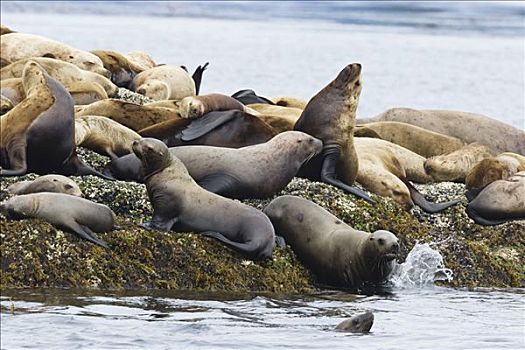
337	253
70	213
360	323
180	204
165	82
46	183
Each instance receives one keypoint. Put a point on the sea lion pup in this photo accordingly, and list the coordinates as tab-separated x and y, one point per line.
287	101
123	68
104	136
386	170
248	97
46	183
499	202
37	135
358	323
164	83
330	117
421	141
338	254
66	73
278	117
18	46
131	115
5	105
498	136
501	167
231	128
177	205
193	107
456	165
69	213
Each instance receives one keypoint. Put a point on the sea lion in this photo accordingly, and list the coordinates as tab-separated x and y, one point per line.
248	96
337	253
123	68
13	89
498	136
287	101
142	59
499	202
37	135
66	73
357	324
278	117
131	115
196	106
182	205
386	169
5	105
164	83
456	165
18	46
231	128
69	213
46	183
330	117
104	136
257	171
421	141
5	30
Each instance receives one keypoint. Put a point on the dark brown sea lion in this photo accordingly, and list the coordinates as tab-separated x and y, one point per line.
180	204
338	254
357	324
46	183
70	213
330	117
38	135
248	96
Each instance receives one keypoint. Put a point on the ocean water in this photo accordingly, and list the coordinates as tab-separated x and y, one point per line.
425	55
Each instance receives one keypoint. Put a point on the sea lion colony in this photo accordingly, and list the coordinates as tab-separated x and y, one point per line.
243	146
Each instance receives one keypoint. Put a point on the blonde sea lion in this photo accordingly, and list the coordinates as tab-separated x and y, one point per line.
104	136
337	253
142	59
178	204
46	183
86	92
18	46
287	101
498	136
421	141
193	107
278	117
66	73
165	82
70	213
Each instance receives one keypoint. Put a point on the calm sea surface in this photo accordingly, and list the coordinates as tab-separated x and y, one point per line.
417	65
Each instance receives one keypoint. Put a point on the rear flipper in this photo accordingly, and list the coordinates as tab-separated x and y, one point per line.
244	248
328	174
427	206
249	96
205	124
74	166
472	193
197	76
85	233
482	221
16	154
221	184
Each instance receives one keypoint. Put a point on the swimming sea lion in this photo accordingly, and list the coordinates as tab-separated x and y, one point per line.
70	213
357	324
499	202
37	135
180	204
196	106
456	165
278	117
165	82
104	136
17	46
338	254
46	183
287	101
330	117
498	136
421	141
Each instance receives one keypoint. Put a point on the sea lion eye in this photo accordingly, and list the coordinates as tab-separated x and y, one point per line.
67	187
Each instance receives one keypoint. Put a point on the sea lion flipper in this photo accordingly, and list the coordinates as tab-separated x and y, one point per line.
472	193
197	76
158	223
205	124
16	153
243	248
85	233
481	220
248	96
424	204
74	166
220	183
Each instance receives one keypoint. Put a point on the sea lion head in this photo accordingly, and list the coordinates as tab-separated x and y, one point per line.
191	107
155	89
305	146
443	168
391	186
33	77
127	168
358	323
47	183
381	248
153	153
350	84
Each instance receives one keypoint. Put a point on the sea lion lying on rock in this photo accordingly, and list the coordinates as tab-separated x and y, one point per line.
165	82
46	183
193	107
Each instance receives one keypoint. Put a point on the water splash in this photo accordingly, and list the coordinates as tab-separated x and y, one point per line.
422	267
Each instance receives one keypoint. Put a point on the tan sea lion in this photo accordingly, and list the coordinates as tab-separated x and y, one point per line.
46	183
5	30
499	202
421	141
66	73
196	106
123	68
37	135
182	205
18	46
357	324
142	59
287	101
104	136
498	136
173	104
337	253
70	213
456	165
330	117
4	62
278	117
165	82
131	115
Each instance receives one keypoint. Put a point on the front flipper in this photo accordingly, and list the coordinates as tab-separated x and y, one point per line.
197	76
221	184
279	241
424	204
158	223
85	233
16	154
205	124
328	174
243	248
481	220
249	96
74	166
